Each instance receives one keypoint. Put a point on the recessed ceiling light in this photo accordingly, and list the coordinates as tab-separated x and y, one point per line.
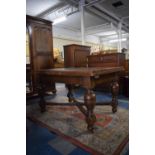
59	20
116	40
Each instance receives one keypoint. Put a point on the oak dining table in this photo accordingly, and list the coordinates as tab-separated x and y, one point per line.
85	77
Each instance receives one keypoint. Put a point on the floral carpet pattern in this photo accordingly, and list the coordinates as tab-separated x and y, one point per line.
110	135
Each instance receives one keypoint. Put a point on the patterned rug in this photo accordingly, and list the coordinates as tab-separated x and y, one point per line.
110	136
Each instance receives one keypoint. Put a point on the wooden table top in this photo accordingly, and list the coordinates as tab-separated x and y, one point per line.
81	71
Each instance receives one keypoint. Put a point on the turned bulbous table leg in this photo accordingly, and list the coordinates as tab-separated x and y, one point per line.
114	90
90	101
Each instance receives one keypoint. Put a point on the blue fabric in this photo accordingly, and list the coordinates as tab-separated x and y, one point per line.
79	151
37	140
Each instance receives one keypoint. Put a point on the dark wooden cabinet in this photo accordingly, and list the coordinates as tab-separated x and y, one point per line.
126	66
112	60
41	49
109	60
76	55
106	60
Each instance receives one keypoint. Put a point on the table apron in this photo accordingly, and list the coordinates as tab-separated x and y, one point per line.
85	82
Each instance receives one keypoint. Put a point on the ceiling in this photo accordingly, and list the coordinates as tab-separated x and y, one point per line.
100	16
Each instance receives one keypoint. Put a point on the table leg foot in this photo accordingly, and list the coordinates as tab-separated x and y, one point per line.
90	123
115	90
42	102
54	91
42	106
70	93
114	109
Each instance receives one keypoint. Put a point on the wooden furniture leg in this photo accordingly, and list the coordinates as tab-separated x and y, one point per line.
42	102
54	91
70	93
90	101
114	90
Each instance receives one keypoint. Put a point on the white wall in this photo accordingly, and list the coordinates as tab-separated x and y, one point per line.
60	42
65	36
62	36
69	33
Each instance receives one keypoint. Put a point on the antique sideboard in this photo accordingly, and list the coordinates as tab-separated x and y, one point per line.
112	60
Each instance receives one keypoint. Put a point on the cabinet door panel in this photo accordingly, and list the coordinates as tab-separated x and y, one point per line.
76	55
43	39
81	58
41	47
